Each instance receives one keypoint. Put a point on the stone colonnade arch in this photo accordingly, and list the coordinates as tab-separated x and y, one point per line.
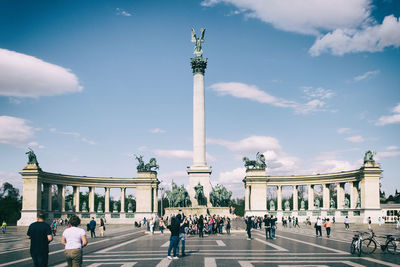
366	178
34	178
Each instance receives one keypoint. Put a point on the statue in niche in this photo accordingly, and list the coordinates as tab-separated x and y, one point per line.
287	205
84	206
317	203
346	203
115	207
258	164
201	199
332	204
369	156
68	205
271	205
302	204
100	207
130	206
198	51
358	203
32	157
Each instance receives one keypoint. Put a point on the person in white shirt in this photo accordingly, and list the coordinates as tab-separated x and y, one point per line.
74	239
318	227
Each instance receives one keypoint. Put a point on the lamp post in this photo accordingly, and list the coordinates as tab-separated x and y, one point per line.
162	196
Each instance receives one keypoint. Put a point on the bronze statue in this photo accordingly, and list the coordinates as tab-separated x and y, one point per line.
258	164
198	51
369	156
149	167
201	200
32	157
178	196
220	197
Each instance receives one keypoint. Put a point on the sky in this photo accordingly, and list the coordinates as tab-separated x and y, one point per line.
312	84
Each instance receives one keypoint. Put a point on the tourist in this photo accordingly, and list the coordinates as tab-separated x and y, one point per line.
92	228
248	227
398	223
102	227
290	221
273	226
296	222
318	227
183	223
333	220
380	221
74	239
40	235
228	226
328	226
267	226
4	227
200	226
54	227
369	223
151	225
346	223
174	239
161	225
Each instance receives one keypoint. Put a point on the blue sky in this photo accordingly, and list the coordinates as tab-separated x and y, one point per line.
86	84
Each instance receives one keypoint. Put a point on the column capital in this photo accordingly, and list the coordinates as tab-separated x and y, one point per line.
199	65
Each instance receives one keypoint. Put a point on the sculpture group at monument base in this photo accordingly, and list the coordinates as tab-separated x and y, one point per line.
200	210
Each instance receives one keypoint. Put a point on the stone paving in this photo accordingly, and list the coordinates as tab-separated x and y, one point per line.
126	246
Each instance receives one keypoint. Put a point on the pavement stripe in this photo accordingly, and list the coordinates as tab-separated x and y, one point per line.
210	262
381	262
119	245
271	245
220	243
249	263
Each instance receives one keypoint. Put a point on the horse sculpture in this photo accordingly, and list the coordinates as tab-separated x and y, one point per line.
151	166
259	163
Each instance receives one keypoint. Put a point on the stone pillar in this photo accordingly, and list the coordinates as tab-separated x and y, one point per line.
340	195
77	190
91	199
279	197
353	194
155	199
122	199
295	198
61	197
370	173
247	198
258	198
326	196
107	200
46	190
310	193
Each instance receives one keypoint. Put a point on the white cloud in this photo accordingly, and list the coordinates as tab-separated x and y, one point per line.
387	154
14	100
252	92
355	139
366	75
319	92
250	144
15	131
179	154
26	76
35	144
343	130
306	17
368	39
234	176
329	166
392	148
394	118
121	12
12	178
156	131
74	134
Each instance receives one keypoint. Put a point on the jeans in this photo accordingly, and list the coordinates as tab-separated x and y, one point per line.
92	233
268	233
318	230
40	259
220	229
201	232
249	232
182	239
173	244
273	232
73	257
328	231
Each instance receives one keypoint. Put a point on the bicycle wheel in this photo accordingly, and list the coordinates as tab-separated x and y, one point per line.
353	246
391	247
368	246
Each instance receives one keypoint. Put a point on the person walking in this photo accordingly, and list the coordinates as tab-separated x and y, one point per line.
183	223
74	239
200	226
161	225
228	226
151	224
318	227
4	227
273	226
346	223
92	228
102	227
40	235
296	222
328	226
267	226
249	225
54	227
369	223
174	239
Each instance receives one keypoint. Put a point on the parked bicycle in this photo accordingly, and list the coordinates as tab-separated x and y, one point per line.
355	247
391	244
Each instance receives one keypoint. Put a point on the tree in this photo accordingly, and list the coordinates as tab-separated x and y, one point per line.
238	206
10	203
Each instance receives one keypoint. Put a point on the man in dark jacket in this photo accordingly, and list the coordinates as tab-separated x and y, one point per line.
249	225
267	225
40	235
174	239
92	227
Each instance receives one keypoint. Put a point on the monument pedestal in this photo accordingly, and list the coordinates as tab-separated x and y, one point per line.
199	175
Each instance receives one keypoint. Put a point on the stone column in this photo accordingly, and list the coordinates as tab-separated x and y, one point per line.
247	198
61	197
353	194
369	185
155	199
77	189
91	199
122	199
340	195
107	200
46	190
310	193
295	198
279	197
326	196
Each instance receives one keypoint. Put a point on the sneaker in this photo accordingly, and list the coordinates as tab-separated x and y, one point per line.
175	258
248	238
169	257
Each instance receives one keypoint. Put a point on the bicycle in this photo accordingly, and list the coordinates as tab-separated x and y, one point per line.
355	247
368	245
